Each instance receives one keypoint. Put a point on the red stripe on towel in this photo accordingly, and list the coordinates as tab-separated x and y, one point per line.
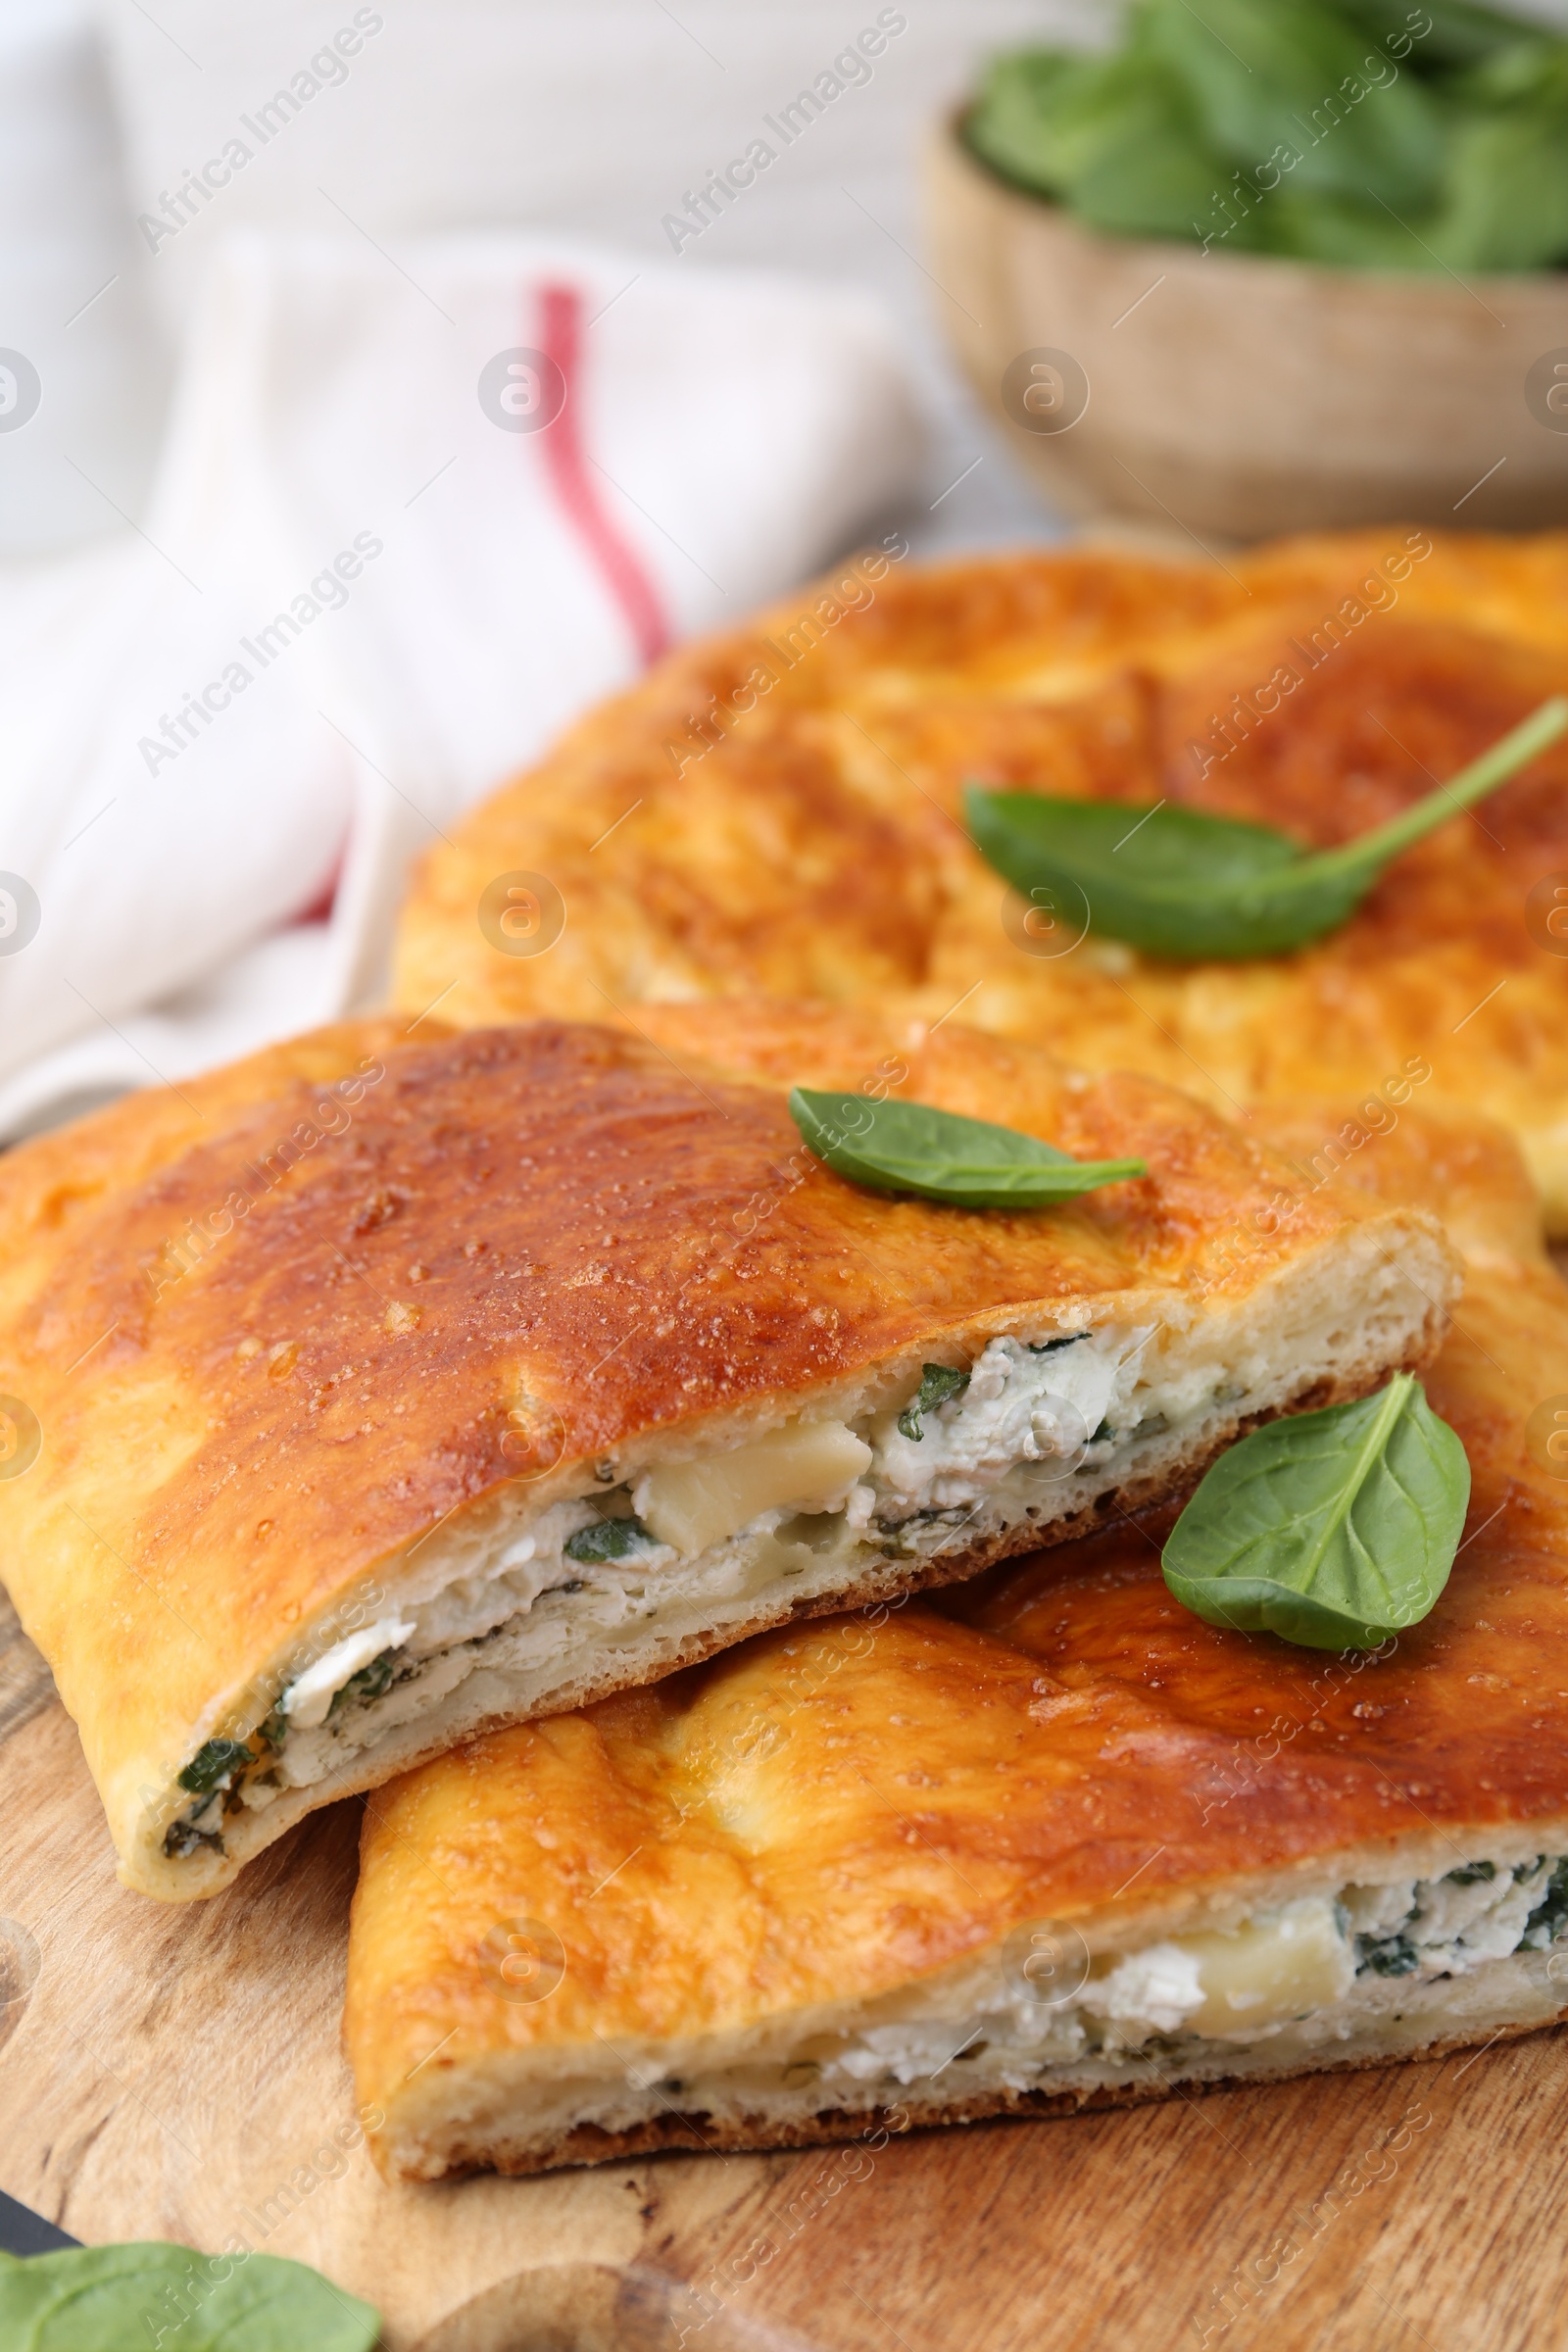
619	565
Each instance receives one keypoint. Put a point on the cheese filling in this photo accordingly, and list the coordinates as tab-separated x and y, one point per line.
1357	1973
1343	1971
307	1702
1315	1961
1023	1436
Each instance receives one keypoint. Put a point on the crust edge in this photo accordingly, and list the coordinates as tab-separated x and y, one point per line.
678	2135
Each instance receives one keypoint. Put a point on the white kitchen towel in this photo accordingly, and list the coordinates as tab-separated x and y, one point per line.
418	505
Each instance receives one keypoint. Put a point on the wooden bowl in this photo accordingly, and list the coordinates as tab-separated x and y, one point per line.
1238	396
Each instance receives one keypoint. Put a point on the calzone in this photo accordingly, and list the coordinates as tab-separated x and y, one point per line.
1044	1842
387	1387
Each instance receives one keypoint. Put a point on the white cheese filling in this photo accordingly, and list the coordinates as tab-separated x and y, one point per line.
307	1702
1026	1434
1310	1959
907	1480
1023	1408
1302	1984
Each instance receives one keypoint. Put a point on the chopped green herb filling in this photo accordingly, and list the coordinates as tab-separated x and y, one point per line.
372	1682
182	1838
1549	1916
938	1382
1469	1873
1050	1346
214	1763
607	1539
1392	1956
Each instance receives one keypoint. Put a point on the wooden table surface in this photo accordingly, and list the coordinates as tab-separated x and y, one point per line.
174	2073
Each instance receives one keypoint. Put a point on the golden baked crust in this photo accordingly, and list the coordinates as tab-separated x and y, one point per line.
839	1814
277	1335
809	846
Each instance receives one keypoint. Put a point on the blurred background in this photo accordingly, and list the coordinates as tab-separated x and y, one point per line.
594	118
384	381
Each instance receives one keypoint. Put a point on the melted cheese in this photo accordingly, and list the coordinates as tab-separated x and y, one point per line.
806	1466
1238	1982
1271	1970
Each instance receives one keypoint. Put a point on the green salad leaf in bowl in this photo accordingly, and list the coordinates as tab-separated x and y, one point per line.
1363	134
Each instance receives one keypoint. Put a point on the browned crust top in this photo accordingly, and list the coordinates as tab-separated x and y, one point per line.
833	1812
802	835
279	1330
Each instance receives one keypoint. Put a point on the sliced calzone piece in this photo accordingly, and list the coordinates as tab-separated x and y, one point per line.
1061	1844
372	1394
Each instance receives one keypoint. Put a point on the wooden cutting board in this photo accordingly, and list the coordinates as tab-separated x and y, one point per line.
176	2072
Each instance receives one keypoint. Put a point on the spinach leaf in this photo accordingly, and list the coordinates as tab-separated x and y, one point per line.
1331	1529
608	1539
1039	116
1346	234
911	1147
1176	882
1460	32
1150	173
1528	70
1367	133
108	2298
214	1763
1507	200
938	1382
1116	138
1293	72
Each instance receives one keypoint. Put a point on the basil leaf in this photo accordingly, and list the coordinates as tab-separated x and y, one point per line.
1175	882
108	2298
1332	1529
607	1539
911	1147
214	1763
938	1382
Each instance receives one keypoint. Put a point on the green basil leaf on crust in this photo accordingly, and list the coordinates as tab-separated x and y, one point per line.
1332	1529
937	1155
